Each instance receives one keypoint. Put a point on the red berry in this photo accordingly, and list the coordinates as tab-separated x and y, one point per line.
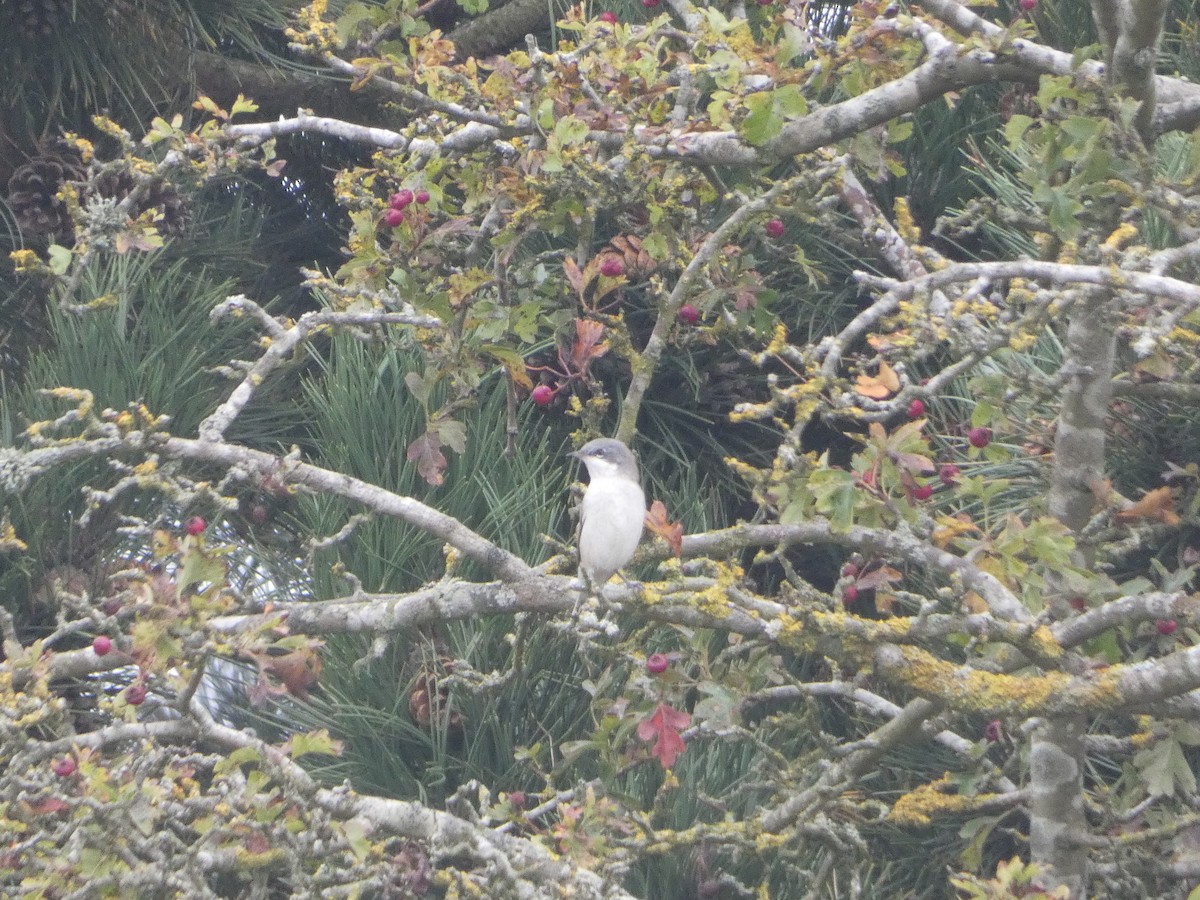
1166	626
656	663
1079	604
650	4
64	767
394	217
611	267
257	514
688	314
850	595
922	492
1027	5
195	525
849	570
422	196
111	606
401	199
135	694
979	437
994	731
102	645
774	228
542	394
608	16
916	409
517	799
949	473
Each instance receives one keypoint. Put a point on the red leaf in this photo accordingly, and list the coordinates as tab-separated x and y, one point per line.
664	724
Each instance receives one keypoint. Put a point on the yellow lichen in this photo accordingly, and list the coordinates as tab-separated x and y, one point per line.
921	806
985	692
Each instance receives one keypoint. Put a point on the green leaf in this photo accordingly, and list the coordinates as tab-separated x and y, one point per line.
60	259
836	496
1164	769
725	66
236	759
199	568
570	130
655	245
1015	128
764	121
318	741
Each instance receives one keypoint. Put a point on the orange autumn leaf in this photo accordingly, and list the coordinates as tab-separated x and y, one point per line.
671	532
1157	504
974	603
588	345
951	528
878	387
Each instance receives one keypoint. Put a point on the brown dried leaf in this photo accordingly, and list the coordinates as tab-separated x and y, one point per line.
426	452
588	345
574	276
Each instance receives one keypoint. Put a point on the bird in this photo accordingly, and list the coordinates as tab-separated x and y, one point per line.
613	511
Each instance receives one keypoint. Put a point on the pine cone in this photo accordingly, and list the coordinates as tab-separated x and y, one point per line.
33	19
32	190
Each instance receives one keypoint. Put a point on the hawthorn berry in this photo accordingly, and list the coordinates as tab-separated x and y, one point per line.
949	473
542	394
422	196
401	199
64	767
656	663
1166	626
994	731
850	595
608	16
979	437
849	570
688	314
257	514
650	4
111	606
394	217
774	228
916	409
1027	5
135	694
611	267
922	492
102	645
195	525
517	799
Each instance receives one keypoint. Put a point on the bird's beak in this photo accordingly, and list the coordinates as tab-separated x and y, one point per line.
574	454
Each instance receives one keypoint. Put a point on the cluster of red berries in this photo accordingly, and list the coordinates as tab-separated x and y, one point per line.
399	202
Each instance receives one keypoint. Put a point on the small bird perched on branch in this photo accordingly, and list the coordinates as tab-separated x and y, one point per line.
613	509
